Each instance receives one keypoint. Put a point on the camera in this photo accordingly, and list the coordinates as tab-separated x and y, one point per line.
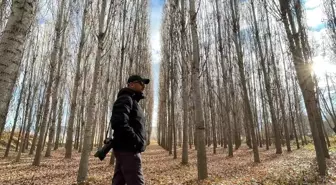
108	145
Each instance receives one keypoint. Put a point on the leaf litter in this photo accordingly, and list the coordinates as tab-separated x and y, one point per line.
296	167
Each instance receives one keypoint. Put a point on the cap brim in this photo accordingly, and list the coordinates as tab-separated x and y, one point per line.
145	80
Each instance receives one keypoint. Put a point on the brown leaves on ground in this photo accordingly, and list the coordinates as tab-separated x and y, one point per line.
297	167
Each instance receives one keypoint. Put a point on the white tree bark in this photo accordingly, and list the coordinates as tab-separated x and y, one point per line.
73	104
58	29
83	165
11	50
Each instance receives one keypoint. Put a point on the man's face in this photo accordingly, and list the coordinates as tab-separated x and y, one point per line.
138	86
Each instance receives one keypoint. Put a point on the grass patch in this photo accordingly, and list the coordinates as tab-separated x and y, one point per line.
309	146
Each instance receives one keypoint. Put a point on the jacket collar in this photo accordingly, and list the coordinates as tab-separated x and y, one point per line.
137	96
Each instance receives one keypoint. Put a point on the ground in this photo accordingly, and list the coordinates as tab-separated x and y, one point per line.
296	167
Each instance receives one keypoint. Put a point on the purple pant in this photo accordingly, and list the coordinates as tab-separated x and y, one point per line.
127	169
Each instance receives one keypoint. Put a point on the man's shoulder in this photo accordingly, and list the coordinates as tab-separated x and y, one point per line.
124	98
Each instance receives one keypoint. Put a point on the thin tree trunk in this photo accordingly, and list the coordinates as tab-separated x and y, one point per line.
40	144
25	117
37	124
290	106
18	156
333	112
58	29
83	165
200	128
282	107
30	119
123	47
172	88
73	104
306	84
59	123
58	79
33	78
275	124
81	135
16	114
326	135
94	124
27	120
212	114
236	29
18	139
185	158
170	128
46	133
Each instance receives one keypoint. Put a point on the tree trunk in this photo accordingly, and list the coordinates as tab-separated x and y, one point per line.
83	165
40	144
282	107
123	47
172	87
169	122
212	110
3	13
11	51
200	128
30	118
326	135
46	133
37	124
30	101
16	114
18	156
275	124
94	124
265	117
59	78
332	112
290	106
237	42
306	84
25	117
18	139
73	104
59	123
54	93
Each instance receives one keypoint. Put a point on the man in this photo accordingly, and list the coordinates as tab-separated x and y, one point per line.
129	133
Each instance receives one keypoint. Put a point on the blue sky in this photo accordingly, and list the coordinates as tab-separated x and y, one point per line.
155	44
315	15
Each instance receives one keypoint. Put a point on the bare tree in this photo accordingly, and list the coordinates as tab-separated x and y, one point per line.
17	112
73	104
83	165
237	41
200	128
305	79
59	31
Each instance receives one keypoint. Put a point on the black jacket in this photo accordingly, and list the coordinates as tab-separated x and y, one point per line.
128	122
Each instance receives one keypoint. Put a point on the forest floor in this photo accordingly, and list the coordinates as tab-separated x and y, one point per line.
296	167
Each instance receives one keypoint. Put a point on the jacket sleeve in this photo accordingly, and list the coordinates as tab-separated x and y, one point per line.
120	118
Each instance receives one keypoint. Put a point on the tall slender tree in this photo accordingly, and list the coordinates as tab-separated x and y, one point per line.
11	51
200	127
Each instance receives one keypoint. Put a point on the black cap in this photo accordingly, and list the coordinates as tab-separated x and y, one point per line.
134	78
